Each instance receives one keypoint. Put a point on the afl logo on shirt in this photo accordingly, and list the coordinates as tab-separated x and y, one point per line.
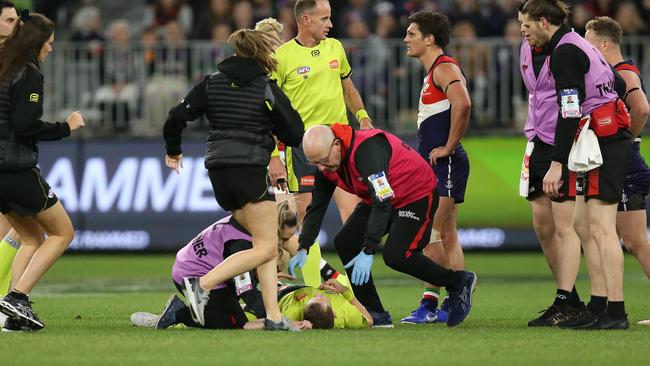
334	64
303	70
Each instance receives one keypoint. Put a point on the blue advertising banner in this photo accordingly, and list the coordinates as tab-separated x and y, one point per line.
121	196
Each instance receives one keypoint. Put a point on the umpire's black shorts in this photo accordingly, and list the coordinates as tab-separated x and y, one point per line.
25	192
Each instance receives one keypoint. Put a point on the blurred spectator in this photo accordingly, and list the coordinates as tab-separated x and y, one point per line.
220	49
162	12
169	82
149	39
263	9
385	22
469	11
473	57
87	28
499	15
117	98
579	17
644	7
242	15
288	20
218	12
221	32
408	7
629	18
508	75
599	8
50	8
358	9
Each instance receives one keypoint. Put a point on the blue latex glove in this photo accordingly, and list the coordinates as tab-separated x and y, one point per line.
297	260
361	272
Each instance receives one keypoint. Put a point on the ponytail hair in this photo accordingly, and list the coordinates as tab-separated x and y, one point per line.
24	44
286	217
257	45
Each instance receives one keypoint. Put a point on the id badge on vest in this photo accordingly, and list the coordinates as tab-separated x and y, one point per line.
243	283
383	191
570	104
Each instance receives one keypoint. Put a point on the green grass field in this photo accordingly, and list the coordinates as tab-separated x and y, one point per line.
86	302
492	198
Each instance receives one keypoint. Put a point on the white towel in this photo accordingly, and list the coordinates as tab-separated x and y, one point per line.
524	177
585	153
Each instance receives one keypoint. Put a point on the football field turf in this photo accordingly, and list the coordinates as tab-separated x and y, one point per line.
86	302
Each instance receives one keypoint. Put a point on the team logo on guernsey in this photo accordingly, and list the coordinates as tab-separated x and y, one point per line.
334	64
303	70
34	97
425	87
315	53
449	184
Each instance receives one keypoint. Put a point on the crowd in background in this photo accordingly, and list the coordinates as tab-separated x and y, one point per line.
158	30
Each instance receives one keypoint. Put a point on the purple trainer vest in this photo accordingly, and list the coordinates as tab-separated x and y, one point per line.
205	251
542	97
599	80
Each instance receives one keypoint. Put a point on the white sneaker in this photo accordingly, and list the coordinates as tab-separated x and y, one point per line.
644	322
144	319
196	297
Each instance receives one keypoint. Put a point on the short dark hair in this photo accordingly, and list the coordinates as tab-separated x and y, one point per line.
303	6
606	27
320	316
6	4
555	11
432	23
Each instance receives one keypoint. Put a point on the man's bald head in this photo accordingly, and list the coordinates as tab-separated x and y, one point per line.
317	141
321	148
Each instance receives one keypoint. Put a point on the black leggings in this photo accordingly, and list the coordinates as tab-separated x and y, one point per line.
409	231
222	311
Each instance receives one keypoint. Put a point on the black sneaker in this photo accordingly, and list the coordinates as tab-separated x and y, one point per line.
16	325
550	317
583	318
381	320
21	309
606	322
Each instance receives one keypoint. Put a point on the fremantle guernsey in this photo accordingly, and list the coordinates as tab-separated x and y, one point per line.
434	112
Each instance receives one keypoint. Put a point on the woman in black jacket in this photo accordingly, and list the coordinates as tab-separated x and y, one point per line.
244	109
26	199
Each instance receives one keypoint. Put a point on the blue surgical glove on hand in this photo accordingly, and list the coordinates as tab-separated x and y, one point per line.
361	271
298	260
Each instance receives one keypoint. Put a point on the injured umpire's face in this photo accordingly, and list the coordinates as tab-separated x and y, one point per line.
322	148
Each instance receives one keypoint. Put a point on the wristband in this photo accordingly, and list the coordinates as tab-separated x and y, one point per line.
361	114
348	295
276	152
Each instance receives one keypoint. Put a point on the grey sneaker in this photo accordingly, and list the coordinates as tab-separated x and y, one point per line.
196	297
144	319
167	317
284	324
20	309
